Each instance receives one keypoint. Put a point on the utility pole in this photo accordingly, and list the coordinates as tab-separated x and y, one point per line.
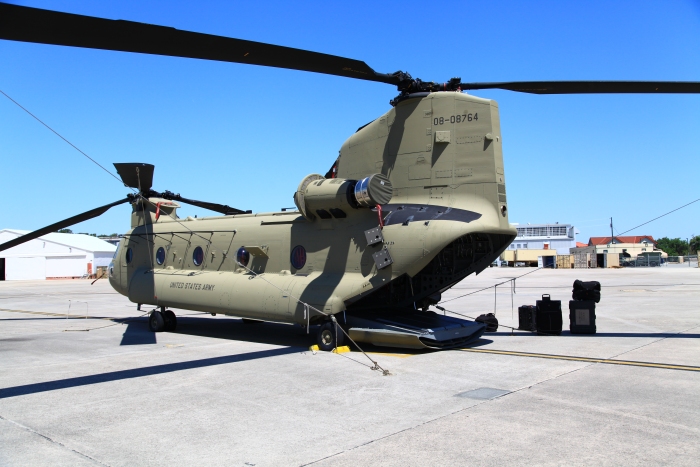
612	236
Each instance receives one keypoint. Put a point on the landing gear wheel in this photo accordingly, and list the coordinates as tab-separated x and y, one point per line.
156	323
330	336
170	320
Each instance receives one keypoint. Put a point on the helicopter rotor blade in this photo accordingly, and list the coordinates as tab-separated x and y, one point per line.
28	24
20	23
139	175
220	208
136	174
590	87
63	224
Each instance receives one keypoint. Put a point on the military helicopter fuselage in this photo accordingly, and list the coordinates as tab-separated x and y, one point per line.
447	218
415	202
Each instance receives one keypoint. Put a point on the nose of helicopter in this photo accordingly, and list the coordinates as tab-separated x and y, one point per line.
115	277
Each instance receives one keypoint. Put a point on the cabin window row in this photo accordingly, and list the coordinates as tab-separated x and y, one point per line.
297	258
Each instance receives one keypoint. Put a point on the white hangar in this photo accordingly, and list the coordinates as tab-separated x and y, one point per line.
55	255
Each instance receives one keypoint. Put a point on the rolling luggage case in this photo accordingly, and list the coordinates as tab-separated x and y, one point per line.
582	317
527	318
548	318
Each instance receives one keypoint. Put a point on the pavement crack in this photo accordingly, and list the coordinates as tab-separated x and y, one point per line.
442	416
621	413
653	342
51	440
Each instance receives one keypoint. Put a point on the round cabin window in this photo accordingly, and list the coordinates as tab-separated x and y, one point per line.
160	256
129	255
298	258
242	256
198	256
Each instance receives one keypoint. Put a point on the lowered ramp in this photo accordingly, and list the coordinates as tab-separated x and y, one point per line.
413	329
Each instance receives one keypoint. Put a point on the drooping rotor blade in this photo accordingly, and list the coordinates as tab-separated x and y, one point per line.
20	23
27	24
136	174
221	208
591	87
62	224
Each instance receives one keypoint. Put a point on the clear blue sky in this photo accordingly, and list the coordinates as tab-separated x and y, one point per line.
245	135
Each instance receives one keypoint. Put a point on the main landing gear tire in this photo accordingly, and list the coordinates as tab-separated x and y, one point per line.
156	322
170	321
330	336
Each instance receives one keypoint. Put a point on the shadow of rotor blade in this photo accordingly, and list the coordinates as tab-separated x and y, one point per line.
61	224
139	372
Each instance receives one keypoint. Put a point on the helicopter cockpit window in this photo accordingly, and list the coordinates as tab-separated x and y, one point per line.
129	255
117	250
298	258
160	256
198	256
242	256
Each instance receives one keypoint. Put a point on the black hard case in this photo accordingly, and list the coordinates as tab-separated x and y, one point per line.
582	317
548	319
586	290
527	315
490	320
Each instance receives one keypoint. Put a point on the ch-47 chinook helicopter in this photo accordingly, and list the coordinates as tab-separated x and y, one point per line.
415	202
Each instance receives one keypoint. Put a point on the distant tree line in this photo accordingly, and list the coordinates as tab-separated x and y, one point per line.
679	246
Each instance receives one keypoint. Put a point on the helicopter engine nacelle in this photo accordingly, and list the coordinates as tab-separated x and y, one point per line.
326	198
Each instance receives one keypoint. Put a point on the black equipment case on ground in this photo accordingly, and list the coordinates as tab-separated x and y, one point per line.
582	317
586	290
527	318
490	320
548	319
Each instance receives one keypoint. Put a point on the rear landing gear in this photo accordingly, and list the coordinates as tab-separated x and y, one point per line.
163	320
330	336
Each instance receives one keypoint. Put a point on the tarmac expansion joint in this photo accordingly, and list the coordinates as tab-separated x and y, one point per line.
49	439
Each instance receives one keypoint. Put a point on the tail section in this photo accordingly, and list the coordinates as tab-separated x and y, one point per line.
442	148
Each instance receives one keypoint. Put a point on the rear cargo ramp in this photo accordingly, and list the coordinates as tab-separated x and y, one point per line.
414	330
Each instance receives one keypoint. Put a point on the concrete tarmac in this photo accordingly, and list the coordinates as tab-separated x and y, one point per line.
83	382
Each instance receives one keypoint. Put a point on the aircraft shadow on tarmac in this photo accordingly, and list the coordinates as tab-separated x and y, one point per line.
137	332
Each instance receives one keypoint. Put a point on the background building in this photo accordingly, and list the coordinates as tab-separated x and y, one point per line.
633	245
559	237
624	247
55	255
540	244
